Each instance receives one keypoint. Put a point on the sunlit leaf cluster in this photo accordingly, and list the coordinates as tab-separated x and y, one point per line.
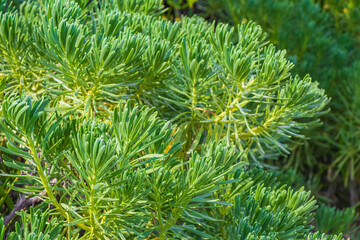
125	179
125	125
212	80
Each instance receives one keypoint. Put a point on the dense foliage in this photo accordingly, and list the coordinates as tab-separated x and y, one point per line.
119	124
192	72
321	38
123	179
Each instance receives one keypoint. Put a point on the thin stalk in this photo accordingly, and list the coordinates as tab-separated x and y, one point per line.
92	208
50	194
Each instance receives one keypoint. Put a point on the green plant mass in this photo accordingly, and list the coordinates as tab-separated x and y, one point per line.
117	123
322	39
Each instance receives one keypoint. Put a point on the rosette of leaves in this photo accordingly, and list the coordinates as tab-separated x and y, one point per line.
124	178
214	81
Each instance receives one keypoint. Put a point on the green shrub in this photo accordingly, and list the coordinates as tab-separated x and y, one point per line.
123	179
77	81
207	79
321	38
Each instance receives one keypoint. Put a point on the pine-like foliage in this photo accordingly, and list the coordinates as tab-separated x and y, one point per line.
211	80
123	179
78	78
34	226
331	220
322	38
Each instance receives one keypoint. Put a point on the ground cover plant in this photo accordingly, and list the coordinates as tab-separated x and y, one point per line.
120	124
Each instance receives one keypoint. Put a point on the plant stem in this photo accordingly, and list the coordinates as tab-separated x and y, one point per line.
92	209
50	194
